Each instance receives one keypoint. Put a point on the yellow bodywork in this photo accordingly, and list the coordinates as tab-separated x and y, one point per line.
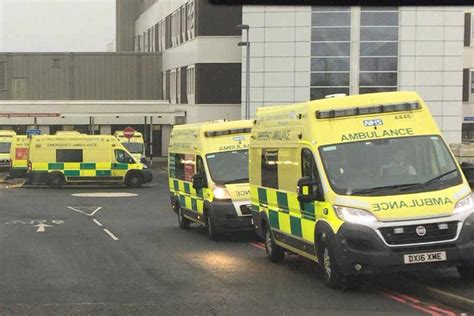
192	140
19	152
96	160
137	138
292	128
6	138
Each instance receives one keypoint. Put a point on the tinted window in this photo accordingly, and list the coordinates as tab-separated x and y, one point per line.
122	156
331	19
270	168
378	79
379	33
330	64
330	49
5	148
330	79
378	18
378	64
69	155
379	49
330	34
376	89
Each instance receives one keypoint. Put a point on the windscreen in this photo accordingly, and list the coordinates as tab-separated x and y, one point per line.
134	148
5	147
229	167
390	166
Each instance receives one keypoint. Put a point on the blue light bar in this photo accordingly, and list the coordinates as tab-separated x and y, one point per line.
386	108
227	132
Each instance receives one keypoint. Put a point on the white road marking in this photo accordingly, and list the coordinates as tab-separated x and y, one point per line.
110	234
97	222
81	209
105	194
41	227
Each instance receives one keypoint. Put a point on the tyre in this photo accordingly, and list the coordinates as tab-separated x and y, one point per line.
56	180
183	222
275	253
134	180
211	227
466	272
329	269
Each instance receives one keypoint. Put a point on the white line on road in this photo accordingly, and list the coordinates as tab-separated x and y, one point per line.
105	194
110	234
97	222
77	209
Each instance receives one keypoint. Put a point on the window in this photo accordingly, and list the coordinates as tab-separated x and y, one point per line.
330	50
69	155
270	168
190	80
472	81
190	19
200	169
183	23
165	94
178	85
173	86
308	166
2	75
378	49
123	157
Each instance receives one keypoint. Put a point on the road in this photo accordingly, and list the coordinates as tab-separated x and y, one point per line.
64	252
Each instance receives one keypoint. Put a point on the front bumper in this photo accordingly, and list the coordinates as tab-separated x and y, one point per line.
358	244
147	175
226	218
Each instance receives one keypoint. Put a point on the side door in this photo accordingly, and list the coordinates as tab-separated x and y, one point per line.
198	194
120	164
309	210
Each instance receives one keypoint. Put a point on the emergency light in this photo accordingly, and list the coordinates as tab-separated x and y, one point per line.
387	108
227	132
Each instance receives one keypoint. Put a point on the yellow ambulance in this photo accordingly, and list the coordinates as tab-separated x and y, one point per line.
362	185
6	138
208	175
57	160
135	145
19	156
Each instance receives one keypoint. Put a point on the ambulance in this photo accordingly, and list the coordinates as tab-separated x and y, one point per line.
19	156
208	176
57	160
6	138
135	145
362	184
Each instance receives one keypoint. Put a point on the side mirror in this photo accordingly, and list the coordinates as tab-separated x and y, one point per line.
468	170
307	190
130	160
199	181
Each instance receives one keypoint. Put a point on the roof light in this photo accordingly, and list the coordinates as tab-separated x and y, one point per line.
227	132
385	108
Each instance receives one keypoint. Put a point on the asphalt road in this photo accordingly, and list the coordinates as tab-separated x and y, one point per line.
66	254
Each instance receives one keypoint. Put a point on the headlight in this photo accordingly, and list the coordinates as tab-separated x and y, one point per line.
221	193
354	215
464	205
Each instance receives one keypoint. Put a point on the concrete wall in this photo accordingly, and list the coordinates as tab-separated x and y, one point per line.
82	76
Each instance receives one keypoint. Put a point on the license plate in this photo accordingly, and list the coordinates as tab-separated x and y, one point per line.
425	257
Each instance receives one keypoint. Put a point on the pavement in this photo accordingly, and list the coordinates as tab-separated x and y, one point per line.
119	251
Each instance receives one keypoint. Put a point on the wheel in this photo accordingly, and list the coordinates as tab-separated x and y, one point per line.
134	180
330	271
275	253
466	272
183	222
56	180
211	227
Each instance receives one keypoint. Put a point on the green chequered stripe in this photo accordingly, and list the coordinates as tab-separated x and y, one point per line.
182	200
87	166
262	196
72	173
176	185
187	188
295	224
308	211
119	166
194	205
282	200
103	173
56	166
273	218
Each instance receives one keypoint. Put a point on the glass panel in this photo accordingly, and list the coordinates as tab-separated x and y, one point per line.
330	8
330	79
379	49
379	34
374	90
374	8
229	167
330	64
378	64
320	93
331	19
378	18
378	79
331	34
330	49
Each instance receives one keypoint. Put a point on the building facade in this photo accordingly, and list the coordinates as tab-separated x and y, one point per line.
301	53
468	76
201	67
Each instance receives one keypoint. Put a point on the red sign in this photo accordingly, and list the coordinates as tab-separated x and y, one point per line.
21	154
128	132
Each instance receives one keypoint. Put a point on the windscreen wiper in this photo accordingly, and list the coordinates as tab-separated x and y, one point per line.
383	188
430	181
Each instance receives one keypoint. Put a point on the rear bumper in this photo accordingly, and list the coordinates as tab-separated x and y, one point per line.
226	218
357	244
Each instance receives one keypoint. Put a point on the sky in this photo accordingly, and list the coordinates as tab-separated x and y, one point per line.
56	25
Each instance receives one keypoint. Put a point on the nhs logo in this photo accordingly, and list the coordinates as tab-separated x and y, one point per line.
374	122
